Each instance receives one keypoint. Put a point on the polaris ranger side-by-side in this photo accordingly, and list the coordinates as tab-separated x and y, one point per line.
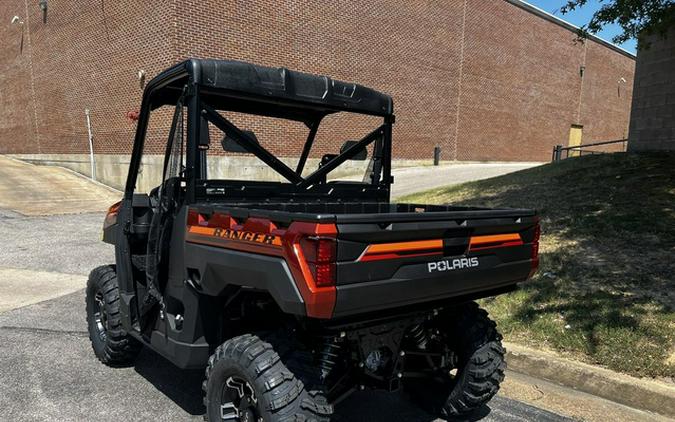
293	294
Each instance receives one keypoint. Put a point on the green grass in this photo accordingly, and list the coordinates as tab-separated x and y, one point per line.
605	291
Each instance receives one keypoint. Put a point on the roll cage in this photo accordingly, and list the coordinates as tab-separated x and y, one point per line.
206	87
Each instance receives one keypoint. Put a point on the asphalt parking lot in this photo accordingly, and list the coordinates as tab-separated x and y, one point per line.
50	373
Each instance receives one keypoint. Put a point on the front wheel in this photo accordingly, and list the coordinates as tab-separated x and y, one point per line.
112	345
246	381
478	361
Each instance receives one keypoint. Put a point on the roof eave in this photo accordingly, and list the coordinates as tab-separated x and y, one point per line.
560	22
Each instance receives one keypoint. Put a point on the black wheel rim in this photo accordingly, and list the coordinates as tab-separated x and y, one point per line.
100	316
238	402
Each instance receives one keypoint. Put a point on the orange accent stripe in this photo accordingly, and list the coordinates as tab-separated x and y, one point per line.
495	241
405	246
206	231
380	257
400	250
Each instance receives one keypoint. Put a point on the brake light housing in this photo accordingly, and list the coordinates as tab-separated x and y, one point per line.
311	252
320	255
111	215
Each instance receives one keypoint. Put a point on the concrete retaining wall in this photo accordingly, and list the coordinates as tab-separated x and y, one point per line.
112	169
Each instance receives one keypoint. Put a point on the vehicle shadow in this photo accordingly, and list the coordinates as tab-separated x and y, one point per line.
183	387
369	406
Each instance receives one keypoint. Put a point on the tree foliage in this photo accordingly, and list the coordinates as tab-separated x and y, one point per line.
636	17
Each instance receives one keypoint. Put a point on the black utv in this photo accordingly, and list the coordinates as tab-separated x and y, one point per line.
294	293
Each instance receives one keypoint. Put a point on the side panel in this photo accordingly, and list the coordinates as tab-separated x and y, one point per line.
181	335
220	268
279	251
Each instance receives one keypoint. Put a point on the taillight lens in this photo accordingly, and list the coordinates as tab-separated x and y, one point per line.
320	255
111	216
535	249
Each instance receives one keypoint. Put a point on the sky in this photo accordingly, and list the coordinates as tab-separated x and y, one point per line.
581	16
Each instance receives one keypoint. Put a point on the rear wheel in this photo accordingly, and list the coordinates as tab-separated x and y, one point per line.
246	381
477	363
112	345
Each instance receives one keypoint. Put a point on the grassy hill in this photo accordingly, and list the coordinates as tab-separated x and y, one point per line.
605	291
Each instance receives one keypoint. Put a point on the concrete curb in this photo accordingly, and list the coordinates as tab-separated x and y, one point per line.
634	392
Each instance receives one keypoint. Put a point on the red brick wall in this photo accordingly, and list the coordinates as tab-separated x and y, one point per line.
482	80
87	55
406	49
522	88
520	84
17	120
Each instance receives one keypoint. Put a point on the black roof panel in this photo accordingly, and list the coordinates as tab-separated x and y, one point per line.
252	84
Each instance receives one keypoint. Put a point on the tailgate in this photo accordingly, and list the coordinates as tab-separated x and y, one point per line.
400	261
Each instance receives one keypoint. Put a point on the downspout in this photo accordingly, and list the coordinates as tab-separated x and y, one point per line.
91	145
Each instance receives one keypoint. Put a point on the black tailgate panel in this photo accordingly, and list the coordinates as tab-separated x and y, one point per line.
364	286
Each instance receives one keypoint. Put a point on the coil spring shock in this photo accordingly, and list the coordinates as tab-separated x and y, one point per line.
330	353
419	335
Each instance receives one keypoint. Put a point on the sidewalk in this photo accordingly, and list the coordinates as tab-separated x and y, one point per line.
410	180
648	395
569	402
20	288
45	190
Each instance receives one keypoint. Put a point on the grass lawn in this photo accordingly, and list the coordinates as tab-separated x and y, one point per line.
605	290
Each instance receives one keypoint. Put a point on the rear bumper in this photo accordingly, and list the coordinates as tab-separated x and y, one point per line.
407	287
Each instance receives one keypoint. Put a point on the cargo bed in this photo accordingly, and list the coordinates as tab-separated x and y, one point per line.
392	255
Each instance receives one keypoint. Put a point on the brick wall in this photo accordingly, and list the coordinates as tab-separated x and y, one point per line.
86	56
18	129
652	121
482	80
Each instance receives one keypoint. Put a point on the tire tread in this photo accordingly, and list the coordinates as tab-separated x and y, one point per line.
484	369
119	348
284	395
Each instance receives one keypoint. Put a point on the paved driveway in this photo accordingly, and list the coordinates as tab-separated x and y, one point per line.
415	179
50	373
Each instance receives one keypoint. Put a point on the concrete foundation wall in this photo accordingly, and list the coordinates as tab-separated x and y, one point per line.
112	169
652	120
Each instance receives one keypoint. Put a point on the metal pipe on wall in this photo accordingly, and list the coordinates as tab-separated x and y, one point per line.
91	145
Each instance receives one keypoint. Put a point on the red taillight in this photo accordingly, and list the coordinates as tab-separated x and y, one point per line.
111	216
310	251
114	208
535	249
320	255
